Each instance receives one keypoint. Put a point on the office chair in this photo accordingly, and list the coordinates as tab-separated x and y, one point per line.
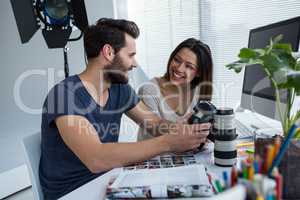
128	129
32	149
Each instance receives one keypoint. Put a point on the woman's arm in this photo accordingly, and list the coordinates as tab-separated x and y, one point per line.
149	94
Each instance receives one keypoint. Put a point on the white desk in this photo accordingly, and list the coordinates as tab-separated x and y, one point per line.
95	189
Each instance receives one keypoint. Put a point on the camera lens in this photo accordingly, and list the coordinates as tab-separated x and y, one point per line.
225	153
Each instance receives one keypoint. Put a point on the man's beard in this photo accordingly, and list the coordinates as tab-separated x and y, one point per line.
115	72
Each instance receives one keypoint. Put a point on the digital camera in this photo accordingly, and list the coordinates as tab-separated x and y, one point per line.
222	131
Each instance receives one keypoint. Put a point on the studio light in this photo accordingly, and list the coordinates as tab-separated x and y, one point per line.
56	18
57	11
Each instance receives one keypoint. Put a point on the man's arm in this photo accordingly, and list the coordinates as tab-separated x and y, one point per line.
81	137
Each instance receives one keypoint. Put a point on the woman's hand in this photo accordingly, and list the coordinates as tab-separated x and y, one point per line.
184	119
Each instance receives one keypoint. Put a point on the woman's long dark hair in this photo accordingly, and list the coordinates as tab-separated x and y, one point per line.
204	64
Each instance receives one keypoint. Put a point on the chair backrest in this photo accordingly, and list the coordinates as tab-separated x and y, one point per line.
32	148
137	77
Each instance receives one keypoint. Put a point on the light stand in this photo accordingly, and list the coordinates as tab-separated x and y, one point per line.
66	65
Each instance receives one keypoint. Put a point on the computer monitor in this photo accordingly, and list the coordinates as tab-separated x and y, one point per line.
258	94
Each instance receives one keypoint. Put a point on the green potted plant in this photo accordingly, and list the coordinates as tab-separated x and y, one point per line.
282	69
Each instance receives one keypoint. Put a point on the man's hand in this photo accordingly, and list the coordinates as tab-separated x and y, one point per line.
190	129
183	137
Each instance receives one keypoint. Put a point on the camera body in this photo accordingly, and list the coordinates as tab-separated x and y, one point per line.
222	131
204	112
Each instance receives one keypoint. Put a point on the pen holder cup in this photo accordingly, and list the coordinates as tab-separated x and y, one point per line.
289	166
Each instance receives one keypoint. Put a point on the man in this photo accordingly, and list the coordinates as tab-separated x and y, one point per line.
81	115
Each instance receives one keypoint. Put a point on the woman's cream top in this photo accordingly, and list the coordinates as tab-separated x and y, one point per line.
152	97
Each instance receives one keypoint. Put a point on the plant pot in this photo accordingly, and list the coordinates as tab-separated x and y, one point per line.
289	166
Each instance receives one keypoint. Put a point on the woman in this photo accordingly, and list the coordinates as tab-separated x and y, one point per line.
187	80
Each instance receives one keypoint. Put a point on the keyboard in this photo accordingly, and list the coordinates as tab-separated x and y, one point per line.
243	131
249	124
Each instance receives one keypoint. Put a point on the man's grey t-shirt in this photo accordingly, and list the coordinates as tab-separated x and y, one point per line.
60	170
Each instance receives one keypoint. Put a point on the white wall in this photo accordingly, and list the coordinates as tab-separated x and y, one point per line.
16	59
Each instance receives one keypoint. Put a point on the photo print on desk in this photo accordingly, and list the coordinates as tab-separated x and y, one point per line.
165	161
